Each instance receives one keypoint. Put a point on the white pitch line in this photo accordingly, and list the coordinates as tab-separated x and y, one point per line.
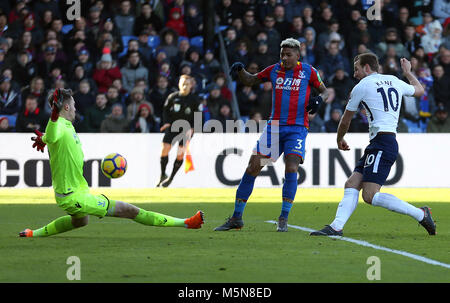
367	244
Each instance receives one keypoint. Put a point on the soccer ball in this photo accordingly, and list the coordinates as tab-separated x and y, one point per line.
114	165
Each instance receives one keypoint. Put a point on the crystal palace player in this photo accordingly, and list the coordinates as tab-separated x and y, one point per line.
286	130
71	189
180	106
381	95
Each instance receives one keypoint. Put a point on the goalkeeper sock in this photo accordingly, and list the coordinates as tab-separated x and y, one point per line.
394	204
345	208
155	219
289	191
242	194
164	161
57	226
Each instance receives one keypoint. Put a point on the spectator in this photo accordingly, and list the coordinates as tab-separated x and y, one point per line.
32	117
225	114
147	20
136	98
106	72
332	124
356	33
210	63
116	121
359	123
307	14
444	60
144	49
265	100
281	24
241	53
326	15
83	58
439	123
29	25
36	88
334	60
78	75
214	101
342	84
227	11
391	39
125	19
144	121
133	70
49	63
221	80
94	23
325	37
273	36
262	55
411	39
441	9
247	99
96	114
159	94
114	96
168	43
392	67
193	21
230	41
296	29
308	46
10	100
426	100
176	22
250	26
441	87
255	124
4	125
432	39
26	43
24	68
84	98
316	124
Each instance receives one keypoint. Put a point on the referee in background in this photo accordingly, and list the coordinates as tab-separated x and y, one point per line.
180	105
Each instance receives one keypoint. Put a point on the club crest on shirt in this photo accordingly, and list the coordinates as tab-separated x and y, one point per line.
176	107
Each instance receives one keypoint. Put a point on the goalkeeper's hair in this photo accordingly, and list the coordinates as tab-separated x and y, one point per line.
65	93
291	43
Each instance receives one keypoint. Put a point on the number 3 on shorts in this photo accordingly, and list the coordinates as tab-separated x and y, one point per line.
299	144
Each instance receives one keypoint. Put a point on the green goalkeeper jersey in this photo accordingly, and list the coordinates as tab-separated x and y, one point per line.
66	156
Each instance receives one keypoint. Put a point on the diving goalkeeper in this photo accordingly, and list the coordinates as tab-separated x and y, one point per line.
71	189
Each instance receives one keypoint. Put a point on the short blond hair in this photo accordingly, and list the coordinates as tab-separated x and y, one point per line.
291	43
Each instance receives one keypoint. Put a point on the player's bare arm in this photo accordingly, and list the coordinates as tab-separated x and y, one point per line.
248	79
323	92
343	127
406	68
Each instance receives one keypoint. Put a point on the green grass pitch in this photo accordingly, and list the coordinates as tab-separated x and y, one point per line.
120	250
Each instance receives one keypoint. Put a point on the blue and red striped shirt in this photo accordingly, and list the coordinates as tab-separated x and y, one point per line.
290	92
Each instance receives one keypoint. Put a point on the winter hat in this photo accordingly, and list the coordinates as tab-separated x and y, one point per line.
106	55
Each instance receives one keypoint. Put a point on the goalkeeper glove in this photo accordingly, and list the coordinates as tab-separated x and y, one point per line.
56	105
313	104
38	143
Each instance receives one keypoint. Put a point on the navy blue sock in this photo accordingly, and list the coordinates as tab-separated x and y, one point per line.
289	191
242	194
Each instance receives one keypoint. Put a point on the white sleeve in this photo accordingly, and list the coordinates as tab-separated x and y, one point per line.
356	96
405	88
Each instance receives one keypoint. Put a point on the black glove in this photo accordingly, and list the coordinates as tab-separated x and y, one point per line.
235	68
313	104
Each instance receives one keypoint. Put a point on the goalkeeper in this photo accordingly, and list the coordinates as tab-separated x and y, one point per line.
71	189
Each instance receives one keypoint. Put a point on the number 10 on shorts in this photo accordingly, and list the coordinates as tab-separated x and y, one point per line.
375	160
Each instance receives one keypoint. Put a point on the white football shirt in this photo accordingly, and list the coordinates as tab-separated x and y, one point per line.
381	96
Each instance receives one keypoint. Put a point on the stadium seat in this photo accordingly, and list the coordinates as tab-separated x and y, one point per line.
413	127
66	28
153	41
197	41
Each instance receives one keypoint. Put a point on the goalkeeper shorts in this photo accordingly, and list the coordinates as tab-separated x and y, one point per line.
82	203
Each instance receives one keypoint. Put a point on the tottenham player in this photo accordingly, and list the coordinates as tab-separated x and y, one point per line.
381	95
286	130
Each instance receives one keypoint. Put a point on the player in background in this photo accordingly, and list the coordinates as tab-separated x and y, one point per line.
71	189
381	95
179	106
286	129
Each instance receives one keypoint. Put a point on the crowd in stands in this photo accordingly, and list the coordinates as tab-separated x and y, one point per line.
123	58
